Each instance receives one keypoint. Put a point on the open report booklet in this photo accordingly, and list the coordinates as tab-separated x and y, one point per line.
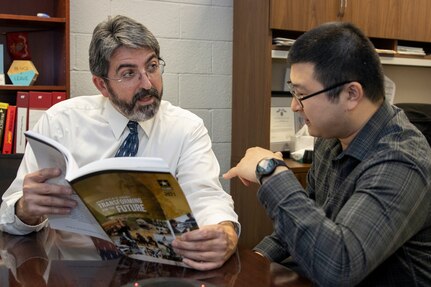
134	202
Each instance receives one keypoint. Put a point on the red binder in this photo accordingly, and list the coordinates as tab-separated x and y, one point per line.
58	97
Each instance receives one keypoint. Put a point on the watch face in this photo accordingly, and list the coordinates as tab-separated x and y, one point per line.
266	166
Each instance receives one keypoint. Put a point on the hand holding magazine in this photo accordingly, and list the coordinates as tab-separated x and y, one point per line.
135	202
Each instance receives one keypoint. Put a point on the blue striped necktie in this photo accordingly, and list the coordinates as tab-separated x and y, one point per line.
130	145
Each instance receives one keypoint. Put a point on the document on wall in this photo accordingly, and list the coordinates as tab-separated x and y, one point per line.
282	124
389	90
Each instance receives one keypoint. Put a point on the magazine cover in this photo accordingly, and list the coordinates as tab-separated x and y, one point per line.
141	212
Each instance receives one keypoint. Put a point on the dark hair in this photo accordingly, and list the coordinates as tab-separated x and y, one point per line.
119	31
340	52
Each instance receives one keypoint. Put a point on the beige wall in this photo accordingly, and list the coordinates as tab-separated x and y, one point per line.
413	84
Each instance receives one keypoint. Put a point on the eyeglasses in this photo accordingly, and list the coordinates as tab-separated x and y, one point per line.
133	76
300	98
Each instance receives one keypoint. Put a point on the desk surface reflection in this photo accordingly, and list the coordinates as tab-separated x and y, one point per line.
57	258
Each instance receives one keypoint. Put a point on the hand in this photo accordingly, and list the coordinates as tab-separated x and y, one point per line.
41	198
208	247
245	169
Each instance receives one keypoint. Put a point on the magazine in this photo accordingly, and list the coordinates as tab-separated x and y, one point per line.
134	202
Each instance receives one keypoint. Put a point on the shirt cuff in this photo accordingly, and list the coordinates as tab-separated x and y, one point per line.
11	223
271	248
26	229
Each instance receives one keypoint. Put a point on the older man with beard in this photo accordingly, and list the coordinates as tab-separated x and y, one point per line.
127	69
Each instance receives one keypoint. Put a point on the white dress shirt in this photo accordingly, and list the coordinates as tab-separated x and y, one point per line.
92	129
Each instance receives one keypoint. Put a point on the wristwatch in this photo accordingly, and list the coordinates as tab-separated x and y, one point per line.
267	166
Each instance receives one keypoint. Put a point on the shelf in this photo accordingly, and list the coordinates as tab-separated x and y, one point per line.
392	60
417	62
26	18
11	20
12	156
279	54
32	88
281	94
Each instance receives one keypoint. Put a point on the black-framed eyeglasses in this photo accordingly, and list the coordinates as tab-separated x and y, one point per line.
131	76
300	98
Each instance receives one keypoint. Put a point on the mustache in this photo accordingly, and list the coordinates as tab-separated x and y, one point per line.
142	93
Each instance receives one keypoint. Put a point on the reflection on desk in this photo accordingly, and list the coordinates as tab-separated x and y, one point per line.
58	258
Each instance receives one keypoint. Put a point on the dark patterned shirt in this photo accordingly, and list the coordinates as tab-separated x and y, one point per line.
364	217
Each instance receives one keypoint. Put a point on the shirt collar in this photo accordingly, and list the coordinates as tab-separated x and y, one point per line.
118	121
371	132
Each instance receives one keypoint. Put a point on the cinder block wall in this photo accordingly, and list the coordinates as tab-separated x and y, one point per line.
196	42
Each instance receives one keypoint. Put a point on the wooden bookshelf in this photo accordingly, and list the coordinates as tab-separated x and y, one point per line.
48	42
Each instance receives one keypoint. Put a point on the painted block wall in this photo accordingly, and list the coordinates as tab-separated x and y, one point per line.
195	38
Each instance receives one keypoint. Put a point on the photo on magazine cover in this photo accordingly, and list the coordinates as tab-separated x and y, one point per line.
149	237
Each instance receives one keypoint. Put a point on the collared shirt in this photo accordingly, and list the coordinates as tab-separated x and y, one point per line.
92	129
365	216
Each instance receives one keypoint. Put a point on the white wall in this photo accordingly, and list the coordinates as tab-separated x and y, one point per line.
196	42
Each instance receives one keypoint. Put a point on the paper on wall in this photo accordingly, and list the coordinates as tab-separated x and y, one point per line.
389	90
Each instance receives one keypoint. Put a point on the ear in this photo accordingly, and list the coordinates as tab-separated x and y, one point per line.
355	94
101	85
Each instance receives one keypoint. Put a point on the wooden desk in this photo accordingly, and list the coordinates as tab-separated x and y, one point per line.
52	258
299	169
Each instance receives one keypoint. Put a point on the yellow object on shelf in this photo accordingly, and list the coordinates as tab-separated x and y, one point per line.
22	73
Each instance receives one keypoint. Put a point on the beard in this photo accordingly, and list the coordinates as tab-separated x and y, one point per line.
132	110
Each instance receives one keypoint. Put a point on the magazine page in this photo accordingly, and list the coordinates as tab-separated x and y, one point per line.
146	164
142	212
50	153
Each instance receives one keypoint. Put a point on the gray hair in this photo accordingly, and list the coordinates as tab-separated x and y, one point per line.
119	31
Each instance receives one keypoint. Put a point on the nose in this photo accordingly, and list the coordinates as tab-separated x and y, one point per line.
144	80
295	106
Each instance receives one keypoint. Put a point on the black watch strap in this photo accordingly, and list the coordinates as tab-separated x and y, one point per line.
267	166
